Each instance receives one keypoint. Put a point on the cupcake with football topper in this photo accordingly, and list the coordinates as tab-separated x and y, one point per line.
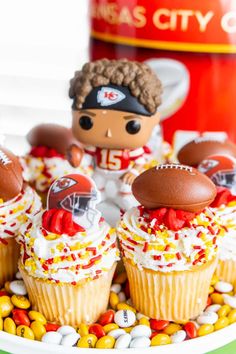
47	159
222	170
170	242
194	152
69	254
18	203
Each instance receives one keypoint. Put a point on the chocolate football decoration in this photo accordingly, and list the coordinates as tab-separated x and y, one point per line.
174	186
53	136
11	179
200	148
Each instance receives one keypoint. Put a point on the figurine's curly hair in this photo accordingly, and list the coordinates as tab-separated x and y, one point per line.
138	77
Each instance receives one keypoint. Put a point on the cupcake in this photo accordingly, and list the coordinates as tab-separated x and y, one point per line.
69	254
170	242
47	160
222	170
18	203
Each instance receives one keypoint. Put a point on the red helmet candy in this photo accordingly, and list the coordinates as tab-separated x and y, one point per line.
221	169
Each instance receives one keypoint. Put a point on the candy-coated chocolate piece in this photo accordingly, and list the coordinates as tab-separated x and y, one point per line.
52	338
205	329
207	318
88	341
9	325
223	287
141	331
174	186
191	330
232	316
116	333
160	339
125	318
106	318
53	136
97	330
113	300
172	328
106	342
37	316
20	301
6	306
158	325
83	329
140	342
38	329
11	179
222	322
110	327
65	330
18	287
230	300
224	311
69	340
200	148
178	336
20	317
123	341
25	332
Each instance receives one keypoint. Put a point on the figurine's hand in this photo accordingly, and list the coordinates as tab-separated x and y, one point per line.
74	155
128	178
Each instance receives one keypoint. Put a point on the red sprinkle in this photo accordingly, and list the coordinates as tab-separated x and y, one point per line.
157	258
145	248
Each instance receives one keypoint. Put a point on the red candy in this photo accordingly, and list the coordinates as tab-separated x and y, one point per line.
158	325
106	318
51	327
20	317
97	330
44	151
60	221
191	330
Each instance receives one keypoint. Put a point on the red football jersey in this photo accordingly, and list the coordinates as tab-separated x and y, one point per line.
116	160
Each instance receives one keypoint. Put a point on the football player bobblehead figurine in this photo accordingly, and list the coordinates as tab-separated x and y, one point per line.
114	112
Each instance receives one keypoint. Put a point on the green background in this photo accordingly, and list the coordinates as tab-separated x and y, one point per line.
228	349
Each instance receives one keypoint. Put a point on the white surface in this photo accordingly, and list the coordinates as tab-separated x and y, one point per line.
202	345
42	43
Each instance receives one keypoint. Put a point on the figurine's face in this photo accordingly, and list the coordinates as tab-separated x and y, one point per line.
113	129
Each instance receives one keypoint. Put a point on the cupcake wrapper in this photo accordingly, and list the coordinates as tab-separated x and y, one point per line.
9	255
176	296
68	304
226	271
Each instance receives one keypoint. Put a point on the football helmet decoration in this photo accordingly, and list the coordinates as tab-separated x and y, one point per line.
221	169
77	194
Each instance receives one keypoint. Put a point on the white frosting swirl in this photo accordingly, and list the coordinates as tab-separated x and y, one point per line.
166	250
67	259
227	215
42	171
17	211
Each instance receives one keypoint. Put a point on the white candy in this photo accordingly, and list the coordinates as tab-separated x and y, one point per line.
140	342
230	300
213	308
52	338
140	315
121	296
116	333
123	341
18	287
18	276
116	288
125	318
65	330
223	287
207	318
178	336
70	339
141	331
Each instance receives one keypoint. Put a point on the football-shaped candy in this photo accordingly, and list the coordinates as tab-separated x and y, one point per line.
200	148
11	180
174	186
221	169
53	136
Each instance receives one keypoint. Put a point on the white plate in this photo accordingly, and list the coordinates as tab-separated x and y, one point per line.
16	345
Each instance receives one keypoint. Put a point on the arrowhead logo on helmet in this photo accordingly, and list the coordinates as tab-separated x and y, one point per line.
77	194
108	96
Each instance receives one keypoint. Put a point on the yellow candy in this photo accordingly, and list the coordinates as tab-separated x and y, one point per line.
124	306
83	330
214	280
121	278
205	329
172	328
160	339
5	306
88	341
211	290
222	322
25	332
128	329
114	300
38	329
37	316
106	342
109	327
144	321
1	324
20	301
224	311
232	316
9	325
217	299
